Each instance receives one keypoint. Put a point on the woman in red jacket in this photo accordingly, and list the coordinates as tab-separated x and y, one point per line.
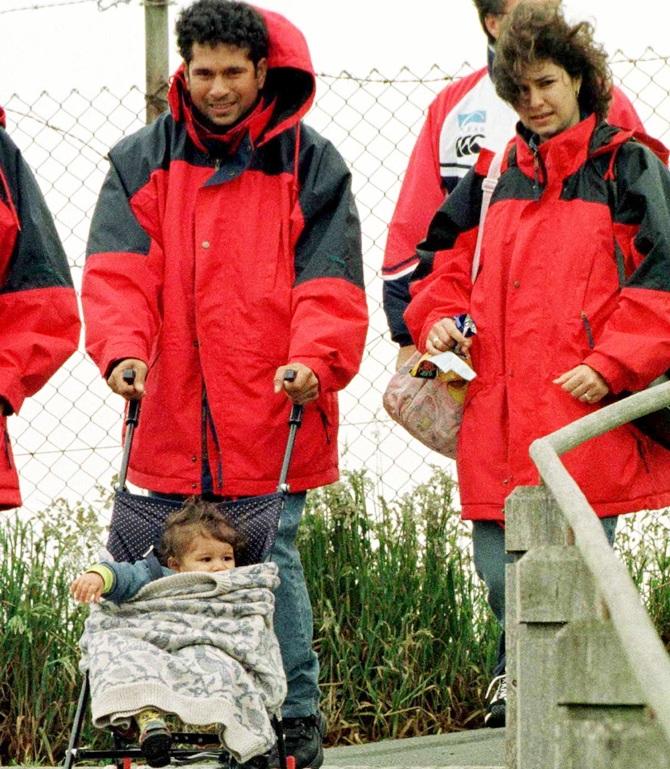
578	204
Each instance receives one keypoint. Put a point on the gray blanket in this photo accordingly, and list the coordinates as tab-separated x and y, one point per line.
198	645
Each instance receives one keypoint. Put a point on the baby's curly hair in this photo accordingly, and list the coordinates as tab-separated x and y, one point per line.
211	22
198	516
536	32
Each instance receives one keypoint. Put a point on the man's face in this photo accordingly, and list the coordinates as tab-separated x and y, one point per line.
223	82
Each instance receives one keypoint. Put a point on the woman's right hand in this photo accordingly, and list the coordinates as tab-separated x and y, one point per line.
444	335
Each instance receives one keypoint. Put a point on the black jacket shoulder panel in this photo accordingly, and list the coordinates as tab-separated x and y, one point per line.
330	243
152	148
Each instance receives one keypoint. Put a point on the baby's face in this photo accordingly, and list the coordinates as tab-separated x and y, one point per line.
205	554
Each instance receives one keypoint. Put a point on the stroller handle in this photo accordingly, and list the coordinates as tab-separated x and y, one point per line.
294	422
131	420
133	417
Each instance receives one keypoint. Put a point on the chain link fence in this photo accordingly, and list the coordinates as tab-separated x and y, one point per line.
67	437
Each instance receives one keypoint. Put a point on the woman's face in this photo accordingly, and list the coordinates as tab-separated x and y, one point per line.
547	101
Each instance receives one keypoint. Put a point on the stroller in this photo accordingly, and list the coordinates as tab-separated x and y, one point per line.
135	527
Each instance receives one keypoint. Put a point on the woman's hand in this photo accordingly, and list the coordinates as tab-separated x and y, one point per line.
444	335
583	383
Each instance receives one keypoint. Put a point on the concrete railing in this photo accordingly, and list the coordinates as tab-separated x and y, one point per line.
589	676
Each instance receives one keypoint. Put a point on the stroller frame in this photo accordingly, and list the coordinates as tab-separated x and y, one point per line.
124	750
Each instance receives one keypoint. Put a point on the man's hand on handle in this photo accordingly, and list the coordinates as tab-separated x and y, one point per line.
131	391
301	389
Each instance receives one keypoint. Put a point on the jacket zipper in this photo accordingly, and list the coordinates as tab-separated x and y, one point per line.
539	171
208	427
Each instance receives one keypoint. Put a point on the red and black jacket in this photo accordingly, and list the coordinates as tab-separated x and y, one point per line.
466	116
39	321
563	219
217	268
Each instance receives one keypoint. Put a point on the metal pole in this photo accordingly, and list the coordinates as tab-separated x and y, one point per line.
156	56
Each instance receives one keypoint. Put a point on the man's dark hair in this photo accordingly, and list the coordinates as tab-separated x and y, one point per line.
486	8
211	22
197	516
536	32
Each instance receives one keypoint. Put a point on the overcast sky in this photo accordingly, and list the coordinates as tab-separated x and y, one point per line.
79	46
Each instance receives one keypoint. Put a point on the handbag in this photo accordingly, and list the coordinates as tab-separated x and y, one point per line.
430	409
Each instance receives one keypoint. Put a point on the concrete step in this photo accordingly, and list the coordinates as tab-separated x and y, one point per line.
477	749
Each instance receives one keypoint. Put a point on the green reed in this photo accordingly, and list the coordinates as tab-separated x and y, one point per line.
643	543
39	680
402	630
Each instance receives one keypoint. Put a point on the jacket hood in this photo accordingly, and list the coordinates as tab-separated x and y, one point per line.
567	151
290	82
608	138
3	119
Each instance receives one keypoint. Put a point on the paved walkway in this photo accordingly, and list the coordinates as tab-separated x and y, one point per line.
481	748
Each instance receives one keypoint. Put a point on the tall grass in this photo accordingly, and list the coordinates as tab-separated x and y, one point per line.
41	627
404	636
643	542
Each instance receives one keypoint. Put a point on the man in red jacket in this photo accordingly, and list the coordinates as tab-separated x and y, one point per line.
466	116
225	249
39	321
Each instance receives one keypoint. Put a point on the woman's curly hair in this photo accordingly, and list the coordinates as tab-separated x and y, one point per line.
211	22
536	32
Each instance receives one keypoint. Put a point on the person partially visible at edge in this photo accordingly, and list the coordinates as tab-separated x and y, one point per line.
464	117
196	538
578	203
225	249
39	320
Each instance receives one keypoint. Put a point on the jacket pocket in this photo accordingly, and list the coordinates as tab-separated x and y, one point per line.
588	330
7	456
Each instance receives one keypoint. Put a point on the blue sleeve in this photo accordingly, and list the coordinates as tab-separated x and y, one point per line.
129	579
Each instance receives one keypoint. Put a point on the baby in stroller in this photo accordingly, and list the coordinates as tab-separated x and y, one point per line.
151	632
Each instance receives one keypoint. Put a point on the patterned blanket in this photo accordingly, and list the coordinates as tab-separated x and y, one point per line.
197	645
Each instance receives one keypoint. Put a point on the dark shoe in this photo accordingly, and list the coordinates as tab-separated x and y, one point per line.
257	762
155	741
303	738
125	734
496	695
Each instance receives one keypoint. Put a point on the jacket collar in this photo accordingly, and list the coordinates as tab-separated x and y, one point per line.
3	119
559	156
564	154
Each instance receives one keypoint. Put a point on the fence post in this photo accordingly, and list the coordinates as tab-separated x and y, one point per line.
156	56
604	722
548	585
